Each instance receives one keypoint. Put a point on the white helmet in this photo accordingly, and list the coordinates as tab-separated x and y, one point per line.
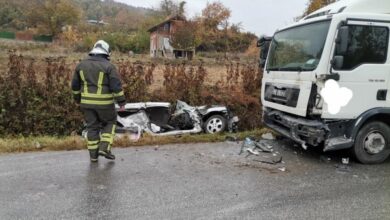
101	47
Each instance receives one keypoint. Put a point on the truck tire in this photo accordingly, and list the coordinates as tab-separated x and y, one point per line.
372	144
215	124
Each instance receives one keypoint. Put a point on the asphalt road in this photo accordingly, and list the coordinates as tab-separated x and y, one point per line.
198	181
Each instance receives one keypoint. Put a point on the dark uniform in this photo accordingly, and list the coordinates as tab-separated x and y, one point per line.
96	85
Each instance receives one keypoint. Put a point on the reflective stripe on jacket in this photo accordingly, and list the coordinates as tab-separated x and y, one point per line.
96	83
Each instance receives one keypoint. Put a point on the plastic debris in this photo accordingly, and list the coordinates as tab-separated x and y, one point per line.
263	147
283	169
254	152
248	143
345	160
272	161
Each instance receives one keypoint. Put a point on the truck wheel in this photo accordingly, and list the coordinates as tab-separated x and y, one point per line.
372	143
215	124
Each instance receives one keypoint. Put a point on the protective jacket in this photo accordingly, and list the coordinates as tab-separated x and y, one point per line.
96	84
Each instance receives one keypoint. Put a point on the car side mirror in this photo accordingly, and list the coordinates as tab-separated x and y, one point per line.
342	40
337	62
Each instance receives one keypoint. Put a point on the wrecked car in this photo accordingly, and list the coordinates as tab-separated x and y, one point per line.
162	119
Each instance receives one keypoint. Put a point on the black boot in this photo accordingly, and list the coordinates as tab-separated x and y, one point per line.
94	154
107	154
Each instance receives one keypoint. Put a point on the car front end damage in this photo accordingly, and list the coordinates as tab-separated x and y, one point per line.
332	135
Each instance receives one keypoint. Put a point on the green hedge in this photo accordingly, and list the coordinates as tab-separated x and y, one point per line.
43	38
7	35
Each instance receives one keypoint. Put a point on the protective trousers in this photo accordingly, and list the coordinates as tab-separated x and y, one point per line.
100	128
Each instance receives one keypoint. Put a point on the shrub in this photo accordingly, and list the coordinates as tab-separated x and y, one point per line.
31	105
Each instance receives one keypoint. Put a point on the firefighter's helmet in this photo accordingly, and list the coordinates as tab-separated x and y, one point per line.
101	47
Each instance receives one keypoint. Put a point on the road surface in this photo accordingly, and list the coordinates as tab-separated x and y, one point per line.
195	181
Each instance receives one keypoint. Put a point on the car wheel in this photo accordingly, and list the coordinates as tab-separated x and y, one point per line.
372	143
215	124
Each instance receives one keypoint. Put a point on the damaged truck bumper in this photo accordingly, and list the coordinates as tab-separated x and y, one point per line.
309	132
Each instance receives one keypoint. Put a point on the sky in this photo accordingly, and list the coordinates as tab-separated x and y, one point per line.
262	17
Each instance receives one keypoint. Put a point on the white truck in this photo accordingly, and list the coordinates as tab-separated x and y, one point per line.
348	42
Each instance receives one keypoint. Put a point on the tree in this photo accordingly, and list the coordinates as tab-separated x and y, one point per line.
182	8
184	37
168	8
12	14
52	15
215	15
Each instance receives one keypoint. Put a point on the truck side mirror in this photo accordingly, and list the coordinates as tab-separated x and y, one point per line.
342	41
264	44
337	62
259	43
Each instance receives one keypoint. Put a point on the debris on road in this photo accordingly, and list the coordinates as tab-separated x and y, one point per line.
343	168
262	150
263	147
254	146
274	160
283	169
254	152
345	160
246	144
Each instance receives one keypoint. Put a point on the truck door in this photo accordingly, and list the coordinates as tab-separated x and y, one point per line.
363	67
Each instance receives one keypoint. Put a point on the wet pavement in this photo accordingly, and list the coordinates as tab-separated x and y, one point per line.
196	181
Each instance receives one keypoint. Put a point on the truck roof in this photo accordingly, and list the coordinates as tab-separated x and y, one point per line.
353	6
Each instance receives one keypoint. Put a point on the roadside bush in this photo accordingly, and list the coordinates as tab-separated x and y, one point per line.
136	78
184	82
33	104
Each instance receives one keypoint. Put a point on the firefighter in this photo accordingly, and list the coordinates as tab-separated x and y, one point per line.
96	87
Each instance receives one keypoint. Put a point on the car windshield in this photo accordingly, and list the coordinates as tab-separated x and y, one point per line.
299	48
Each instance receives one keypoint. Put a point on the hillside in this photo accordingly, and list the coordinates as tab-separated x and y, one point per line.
14	14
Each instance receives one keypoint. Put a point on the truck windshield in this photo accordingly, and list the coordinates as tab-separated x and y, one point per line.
299	48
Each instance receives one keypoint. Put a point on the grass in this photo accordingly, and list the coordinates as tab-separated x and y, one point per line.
45	143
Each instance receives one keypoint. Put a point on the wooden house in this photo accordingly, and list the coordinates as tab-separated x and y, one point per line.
160	38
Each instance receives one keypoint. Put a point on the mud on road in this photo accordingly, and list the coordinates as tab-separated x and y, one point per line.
195	181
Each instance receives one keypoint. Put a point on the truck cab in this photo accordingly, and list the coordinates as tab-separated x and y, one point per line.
346	42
